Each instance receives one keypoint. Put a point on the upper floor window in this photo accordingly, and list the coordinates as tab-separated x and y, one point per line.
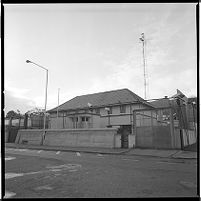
122	109
97	110
110	111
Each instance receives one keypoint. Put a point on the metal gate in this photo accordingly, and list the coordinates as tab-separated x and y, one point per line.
153	128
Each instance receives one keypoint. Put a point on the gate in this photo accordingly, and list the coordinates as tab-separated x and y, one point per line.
153	128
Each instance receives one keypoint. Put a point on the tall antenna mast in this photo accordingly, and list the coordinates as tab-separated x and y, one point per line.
144	64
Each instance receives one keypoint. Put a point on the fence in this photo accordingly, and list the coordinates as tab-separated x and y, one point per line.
167	128
13	125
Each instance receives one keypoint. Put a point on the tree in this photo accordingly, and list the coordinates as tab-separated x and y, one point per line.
12	114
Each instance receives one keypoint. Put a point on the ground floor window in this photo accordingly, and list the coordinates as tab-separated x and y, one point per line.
85	119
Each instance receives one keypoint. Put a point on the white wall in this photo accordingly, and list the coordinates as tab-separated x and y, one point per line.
104	138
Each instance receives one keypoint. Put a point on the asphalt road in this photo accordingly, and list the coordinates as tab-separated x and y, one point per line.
55	174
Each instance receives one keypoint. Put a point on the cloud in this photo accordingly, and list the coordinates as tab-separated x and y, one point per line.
14	102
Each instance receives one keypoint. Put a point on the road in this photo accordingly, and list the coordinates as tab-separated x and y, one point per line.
56	174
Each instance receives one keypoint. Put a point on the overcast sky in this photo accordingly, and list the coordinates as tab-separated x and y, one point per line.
91	48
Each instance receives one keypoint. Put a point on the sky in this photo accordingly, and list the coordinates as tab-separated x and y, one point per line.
90	48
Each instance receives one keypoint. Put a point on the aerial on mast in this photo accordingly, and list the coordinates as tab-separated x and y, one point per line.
144	64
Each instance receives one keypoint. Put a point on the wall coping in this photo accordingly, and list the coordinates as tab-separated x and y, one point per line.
76	130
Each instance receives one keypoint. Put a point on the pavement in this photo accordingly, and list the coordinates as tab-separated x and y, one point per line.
180	154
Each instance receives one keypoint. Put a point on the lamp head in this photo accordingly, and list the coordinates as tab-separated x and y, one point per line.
28	61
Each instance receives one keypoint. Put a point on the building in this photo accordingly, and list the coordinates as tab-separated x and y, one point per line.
116	119
99	110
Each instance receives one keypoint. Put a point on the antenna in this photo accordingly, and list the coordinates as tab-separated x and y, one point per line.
142	39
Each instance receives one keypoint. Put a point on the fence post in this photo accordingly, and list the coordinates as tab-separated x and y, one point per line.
172	129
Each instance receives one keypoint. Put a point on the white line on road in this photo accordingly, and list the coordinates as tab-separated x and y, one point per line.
78	153
46	187
22	150
9	158
9	194
39	151
12	175
128	159
58	152
167	162
99	155
69	167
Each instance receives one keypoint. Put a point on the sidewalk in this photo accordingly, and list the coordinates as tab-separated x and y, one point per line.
163	153
69	149
135	152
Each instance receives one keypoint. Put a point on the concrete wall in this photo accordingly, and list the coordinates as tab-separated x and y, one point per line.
71	137
29	136
118	141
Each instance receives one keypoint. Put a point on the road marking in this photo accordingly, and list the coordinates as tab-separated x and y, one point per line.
78	153
22	150
12	175
99	155
9	158
65	166
9	194
167	162
58	152
39	151
46	187
126	159
69	167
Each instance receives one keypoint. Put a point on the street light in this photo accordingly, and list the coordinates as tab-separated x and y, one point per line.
28	61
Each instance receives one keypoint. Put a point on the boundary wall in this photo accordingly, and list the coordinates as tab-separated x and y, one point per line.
105	138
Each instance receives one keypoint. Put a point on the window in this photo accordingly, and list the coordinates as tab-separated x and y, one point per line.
85	119
110	111
122	109
97	110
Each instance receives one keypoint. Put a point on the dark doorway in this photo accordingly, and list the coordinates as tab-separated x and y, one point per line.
125	130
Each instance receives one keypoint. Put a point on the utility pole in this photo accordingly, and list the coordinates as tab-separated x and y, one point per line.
144	64
58	109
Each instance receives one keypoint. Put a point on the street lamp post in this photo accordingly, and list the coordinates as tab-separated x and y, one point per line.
28	61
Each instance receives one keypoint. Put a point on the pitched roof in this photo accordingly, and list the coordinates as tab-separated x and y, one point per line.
120	96
160	103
